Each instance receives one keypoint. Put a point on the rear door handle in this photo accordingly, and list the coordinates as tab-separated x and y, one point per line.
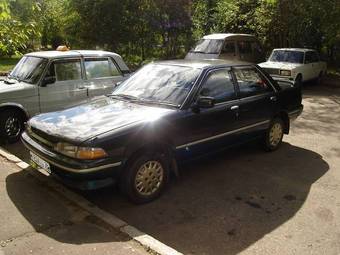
235	108
273	98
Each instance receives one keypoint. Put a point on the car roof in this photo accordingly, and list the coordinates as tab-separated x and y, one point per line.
80	53
69	53
295	49
202	63
221	36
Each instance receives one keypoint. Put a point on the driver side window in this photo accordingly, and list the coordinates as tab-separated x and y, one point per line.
251	82
219	85
65	70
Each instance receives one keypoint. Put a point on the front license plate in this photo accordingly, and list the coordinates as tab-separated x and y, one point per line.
37	162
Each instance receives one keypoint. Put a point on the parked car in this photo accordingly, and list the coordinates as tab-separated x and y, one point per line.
297	65
54	80
165	114
242	47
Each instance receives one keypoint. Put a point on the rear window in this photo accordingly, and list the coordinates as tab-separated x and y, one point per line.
208	46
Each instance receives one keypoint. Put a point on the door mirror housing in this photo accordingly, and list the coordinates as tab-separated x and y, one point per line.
48	80
205	102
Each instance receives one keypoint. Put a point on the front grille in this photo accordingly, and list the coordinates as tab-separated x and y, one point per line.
41	138
272	71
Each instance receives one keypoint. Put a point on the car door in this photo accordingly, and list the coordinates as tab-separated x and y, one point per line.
258	102
102	75
317	67
206	130
68	88
308	67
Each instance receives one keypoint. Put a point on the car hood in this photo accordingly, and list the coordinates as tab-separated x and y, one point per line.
99	116
279	65
15	90
4	87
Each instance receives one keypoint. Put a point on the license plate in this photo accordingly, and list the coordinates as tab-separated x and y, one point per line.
37	162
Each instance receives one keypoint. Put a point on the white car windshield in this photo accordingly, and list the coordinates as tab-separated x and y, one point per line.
28	69
208	46
288	56
159	83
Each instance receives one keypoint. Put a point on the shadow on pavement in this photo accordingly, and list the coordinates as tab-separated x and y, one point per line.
223	204
50	214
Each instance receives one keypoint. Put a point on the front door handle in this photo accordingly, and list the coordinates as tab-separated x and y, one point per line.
273	98
235	108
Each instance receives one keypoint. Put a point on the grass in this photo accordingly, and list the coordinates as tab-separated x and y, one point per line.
7	64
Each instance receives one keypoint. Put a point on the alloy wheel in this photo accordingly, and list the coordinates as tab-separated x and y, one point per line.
275	134
12	127
149	178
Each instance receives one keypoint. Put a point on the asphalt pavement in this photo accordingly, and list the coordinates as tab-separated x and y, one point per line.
37	220
246	201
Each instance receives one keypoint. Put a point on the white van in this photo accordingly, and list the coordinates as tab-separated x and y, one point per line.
242	47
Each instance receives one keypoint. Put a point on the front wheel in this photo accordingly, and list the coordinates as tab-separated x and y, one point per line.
11	126
145	178
274	135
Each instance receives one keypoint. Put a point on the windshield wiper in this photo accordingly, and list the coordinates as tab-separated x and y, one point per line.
158	102
124	96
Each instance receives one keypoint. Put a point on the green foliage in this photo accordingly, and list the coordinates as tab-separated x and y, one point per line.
160	29
15	34
7	64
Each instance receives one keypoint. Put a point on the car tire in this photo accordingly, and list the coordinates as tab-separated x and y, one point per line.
144	179
298	81
11	126
274	135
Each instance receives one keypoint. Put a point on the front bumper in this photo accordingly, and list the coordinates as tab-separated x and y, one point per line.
73	170
295	113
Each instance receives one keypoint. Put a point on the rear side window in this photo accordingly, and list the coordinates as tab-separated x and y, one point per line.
244	47
65	70
100	68
251	82
228	48
219	85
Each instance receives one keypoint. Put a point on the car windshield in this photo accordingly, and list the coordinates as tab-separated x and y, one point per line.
289	56
28	69
159	83
208	46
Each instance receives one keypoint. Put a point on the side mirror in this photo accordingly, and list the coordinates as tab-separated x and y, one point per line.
48	80
205	102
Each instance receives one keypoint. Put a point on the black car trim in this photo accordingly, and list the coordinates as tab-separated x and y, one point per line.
73	170
221	135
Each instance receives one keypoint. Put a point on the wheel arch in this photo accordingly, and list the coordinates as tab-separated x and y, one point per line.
283	115
16	107
154	145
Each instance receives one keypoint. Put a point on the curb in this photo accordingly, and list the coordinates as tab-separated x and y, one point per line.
149	243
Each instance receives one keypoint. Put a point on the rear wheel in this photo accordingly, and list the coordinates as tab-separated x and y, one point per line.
274	135
11	126
145	178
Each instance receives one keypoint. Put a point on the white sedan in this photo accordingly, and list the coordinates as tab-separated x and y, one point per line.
298	65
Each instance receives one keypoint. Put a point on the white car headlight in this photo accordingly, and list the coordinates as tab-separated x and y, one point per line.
80	152
285	72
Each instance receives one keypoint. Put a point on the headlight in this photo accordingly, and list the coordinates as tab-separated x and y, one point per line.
80	152
285	72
